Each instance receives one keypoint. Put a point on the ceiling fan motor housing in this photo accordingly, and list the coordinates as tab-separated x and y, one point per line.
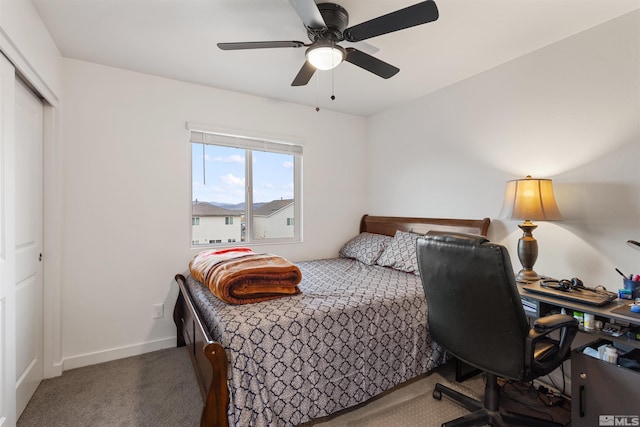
336	19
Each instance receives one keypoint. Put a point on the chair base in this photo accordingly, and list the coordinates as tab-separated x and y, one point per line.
489	412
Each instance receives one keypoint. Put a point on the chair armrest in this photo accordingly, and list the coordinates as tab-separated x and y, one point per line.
567	327
555	321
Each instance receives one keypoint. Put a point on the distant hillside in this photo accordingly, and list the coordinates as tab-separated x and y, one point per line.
233	207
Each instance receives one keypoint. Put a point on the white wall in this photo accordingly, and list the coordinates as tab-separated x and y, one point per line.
126	195
569	112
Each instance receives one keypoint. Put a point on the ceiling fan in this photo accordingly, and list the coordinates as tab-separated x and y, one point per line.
326	25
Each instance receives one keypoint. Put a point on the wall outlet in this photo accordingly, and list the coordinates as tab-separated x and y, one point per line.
158	311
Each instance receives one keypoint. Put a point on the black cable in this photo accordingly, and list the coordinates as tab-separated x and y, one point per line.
540	403
564	382
538	409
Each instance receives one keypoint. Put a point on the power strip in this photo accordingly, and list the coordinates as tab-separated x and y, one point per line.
537	384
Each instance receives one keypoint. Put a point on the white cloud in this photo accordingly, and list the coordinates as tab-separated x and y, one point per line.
232	180
234	158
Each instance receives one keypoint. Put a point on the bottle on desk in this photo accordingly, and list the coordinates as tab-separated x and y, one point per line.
589	321
610	354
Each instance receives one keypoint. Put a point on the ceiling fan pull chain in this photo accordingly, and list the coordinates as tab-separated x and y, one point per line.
317	92
333	86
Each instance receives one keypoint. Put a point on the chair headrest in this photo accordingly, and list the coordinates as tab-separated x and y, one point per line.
459	239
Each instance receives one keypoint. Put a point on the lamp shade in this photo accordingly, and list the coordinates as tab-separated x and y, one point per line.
325	56
530	199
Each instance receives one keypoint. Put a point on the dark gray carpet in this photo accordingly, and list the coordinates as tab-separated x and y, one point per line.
154	389
159	389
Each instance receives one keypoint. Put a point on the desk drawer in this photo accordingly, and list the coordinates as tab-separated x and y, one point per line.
599	388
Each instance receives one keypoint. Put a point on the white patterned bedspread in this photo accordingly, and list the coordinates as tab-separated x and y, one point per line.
354	332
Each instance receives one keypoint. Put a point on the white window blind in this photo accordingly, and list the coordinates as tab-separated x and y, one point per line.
202	137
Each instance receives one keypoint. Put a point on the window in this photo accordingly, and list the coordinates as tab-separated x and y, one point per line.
244	189
195	220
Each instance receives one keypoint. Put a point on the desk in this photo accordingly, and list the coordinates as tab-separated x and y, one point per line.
538	305
598	388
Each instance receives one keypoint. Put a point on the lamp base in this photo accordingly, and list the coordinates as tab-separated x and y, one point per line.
527	275
527	253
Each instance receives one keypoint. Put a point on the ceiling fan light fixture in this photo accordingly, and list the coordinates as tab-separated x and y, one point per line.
325	56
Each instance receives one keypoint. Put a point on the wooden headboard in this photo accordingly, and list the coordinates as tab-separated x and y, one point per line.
389	224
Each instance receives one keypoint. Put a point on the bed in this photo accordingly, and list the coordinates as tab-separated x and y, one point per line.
357	329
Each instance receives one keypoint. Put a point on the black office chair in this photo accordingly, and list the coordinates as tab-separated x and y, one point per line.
475	313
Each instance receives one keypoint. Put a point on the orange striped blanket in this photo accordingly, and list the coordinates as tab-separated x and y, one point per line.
241	276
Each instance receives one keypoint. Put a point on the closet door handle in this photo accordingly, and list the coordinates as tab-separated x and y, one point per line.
40	257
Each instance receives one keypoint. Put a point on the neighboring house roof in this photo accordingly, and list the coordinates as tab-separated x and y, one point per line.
272	207
207	209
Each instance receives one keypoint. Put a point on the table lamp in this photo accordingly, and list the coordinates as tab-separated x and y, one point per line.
529	199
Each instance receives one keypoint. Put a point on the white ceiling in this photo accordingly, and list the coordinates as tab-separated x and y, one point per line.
177	39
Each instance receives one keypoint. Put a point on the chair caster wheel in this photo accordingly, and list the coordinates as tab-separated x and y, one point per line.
437	395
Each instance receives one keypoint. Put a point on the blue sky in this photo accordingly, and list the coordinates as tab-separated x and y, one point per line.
225	175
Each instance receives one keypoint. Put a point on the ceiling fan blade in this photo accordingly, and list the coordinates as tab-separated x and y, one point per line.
418	14
304	75
309	13
363	46
259	45
370	63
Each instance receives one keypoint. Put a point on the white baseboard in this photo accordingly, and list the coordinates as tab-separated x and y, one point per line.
116	353
55	370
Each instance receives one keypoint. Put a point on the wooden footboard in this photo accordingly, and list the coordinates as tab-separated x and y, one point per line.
207	356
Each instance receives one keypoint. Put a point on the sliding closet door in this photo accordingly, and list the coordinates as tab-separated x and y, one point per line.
28	243
7	248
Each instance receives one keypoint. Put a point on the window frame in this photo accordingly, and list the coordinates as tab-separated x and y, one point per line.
202	134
